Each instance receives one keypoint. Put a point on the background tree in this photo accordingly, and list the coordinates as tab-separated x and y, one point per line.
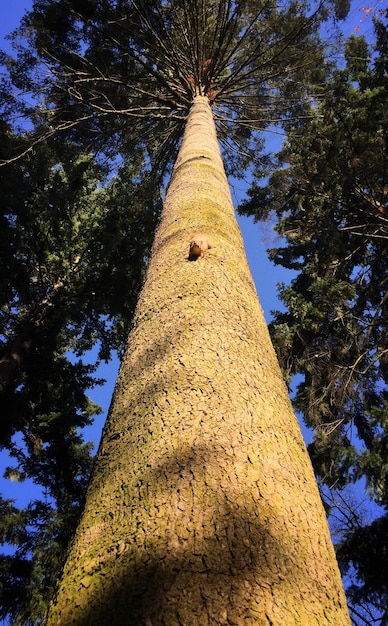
329	197
68	244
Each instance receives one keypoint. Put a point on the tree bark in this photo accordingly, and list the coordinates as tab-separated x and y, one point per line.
203	507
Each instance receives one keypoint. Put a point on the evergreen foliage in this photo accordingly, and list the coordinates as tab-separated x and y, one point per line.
329	202
70	241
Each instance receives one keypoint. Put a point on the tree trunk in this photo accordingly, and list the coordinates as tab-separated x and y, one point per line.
203	508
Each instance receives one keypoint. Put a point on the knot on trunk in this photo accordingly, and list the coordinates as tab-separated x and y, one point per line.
199	244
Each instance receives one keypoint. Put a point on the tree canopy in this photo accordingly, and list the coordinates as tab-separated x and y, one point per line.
121	75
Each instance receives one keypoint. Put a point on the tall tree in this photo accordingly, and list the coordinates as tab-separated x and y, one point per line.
124	76
203	506
330	202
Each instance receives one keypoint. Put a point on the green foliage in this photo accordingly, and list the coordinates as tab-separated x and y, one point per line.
74	249
329	200
37	536
366	549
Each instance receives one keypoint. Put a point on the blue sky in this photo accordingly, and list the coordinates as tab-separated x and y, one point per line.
256	237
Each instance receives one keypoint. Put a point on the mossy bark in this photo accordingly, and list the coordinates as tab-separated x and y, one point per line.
203	507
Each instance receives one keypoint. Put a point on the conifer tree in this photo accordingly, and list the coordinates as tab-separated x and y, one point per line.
202	506
60	291
123	78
